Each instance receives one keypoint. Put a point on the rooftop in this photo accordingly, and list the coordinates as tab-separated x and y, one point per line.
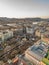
38	51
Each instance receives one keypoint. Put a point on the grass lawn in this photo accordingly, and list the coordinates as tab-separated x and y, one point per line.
46	59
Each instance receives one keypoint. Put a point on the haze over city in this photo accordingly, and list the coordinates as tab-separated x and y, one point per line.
24	8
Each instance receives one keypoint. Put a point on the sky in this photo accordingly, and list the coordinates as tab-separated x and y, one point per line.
24	8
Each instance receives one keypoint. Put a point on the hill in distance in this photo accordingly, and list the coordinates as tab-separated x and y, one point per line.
4	20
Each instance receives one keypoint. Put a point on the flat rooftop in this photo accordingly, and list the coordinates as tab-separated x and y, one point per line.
37	51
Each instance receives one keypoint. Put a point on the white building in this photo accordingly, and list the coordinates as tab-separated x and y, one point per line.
29	30
4	35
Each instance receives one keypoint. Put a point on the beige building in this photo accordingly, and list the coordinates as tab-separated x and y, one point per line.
38	33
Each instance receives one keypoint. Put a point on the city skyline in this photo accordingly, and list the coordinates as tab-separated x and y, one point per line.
24	8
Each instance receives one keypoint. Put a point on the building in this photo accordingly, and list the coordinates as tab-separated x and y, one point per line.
16	61
6	34
38	33
36	53
29	30
45	38
1	47
1	63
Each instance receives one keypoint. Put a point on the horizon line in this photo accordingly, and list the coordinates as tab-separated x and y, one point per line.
25	17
